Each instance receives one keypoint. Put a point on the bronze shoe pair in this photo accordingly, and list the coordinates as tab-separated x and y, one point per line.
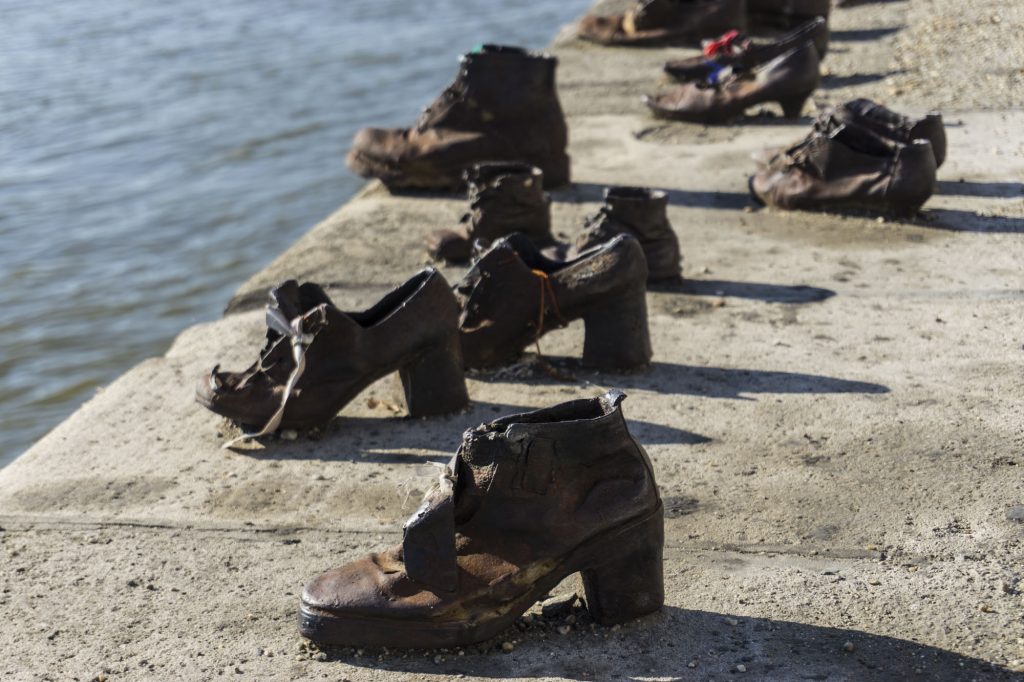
502	107
503	198
845	166
789	79
513	295
665	22
738	52
318	358
527	501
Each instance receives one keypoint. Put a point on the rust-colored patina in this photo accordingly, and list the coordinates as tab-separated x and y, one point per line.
789	79
503	106
514	294
318	358
641	213
741	53
526	501
504	197
665	22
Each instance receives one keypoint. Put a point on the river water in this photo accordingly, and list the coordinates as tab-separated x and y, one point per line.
153	155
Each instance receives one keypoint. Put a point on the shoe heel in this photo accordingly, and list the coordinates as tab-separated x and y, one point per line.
631	584
793	107
435	382
616	335
557	172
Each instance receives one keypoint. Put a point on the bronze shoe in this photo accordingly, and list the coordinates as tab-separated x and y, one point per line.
736	51
503	198
849	167
641	213
665	22
318	358
513	295
502	107
789	79
527	501
894	126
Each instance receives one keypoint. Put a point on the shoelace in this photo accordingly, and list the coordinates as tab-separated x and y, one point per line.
547	291
300	340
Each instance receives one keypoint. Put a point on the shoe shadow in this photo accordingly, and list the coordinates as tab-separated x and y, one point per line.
710	382
769	293
589	192
995	190
851	80
386	440
680	644
866	34
955	220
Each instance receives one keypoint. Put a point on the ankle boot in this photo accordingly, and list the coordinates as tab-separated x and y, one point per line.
785	14
639	212
789	79
849	167
502	107
503	198
734	50
897	127
318	358
665	22
513	295
527	501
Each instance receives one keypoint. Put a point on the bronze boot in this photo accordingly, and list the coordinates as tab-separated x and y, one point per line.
734	50
527	501
849	167
639	212
503	198
789	79
513	295
318	358
665	22
786	14
502	107
894	126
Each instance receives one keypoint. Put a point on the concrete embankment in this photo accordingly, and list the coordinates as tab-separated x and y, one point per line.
834	414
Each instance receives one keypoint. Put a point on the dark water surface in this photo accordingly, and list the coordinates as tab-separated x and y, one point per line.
155	154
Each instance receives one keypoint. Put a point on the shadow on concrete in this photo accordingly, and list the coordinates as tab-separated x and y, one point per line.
710	382
851	80
760	291
589	192
667	644
382	440
956	220
864	35
995	190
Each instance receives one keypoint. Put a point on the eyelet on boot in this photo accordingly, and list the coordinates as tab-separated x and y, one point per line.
527	501
318	358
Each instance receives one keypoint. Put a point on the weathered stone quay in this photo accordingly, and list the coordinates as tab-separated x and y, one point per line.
834	413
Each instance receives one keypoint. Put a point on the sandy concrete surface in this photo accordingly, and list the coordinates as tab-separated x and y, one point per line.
834	413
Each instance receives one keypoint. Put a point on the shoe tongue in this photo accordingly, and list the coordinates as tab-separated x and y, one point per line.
293	299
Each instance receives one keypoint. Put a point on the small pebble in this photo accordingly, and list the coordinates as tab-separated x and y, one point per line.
741	668
848	646
732	621
508	647
289	434
564	630
691	664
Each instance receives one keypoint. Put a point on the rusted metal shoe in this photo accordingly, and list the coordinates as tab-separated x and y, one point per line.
527	501
789	79
894	126
785	14
665	22
502	107
514	294
849	167
318	358
736	51
641	213
503	198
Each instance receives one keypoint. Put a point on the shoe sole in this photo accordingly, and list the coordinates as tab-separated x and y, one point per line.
332	629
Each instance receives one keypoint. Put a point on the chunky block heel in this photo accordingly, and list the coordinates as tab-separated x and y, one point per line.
793	107
631	584
435	382
556	171
617	337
